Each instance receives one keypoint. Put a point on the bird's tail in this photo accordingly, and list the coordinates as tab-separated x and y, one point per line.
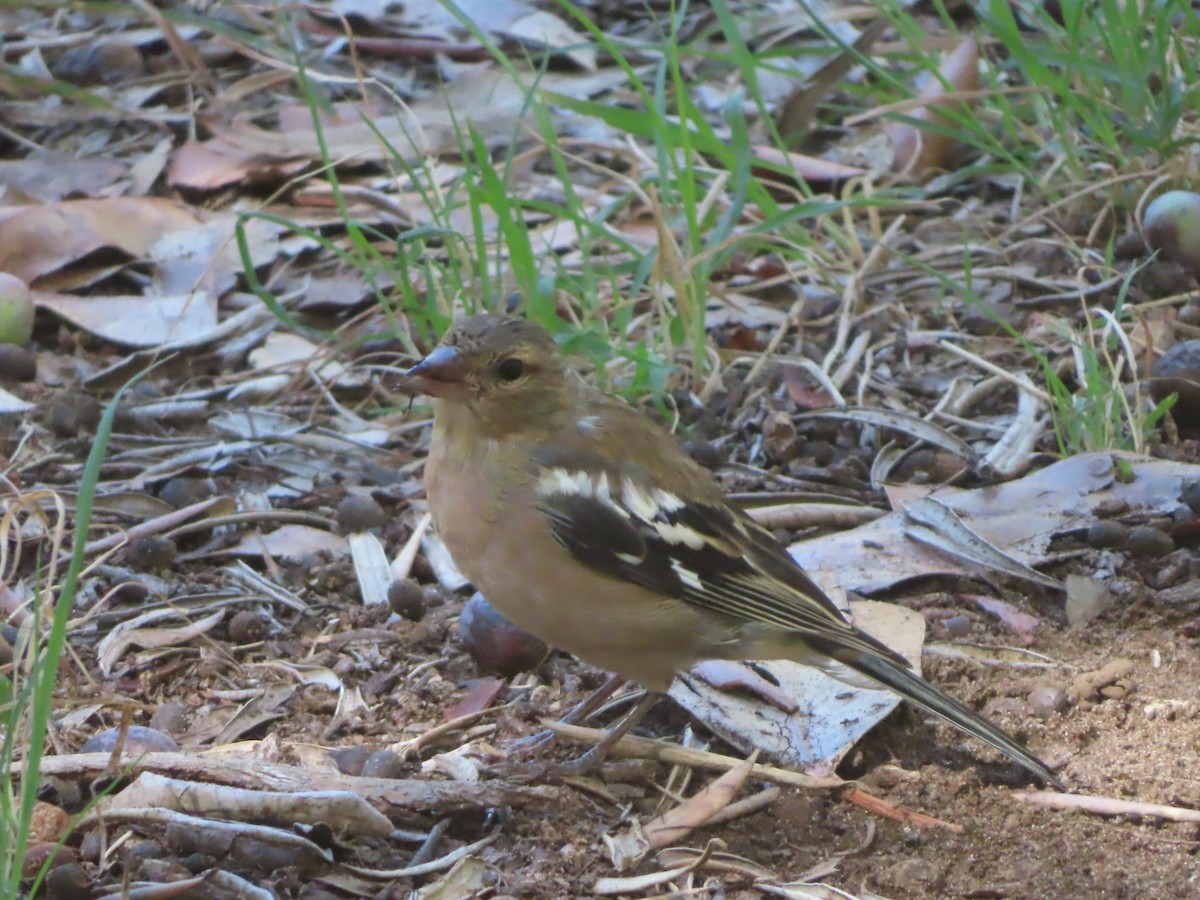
915	689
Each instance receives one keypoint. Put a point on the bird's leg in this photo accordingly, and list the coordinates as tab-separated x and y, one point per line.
577	714
597	754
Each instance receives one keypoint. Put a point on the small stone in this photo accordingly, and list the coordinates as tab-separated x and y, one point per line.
407	599
957	626
1048	700
113	61
1190	494
72	413
1149	543
138	739
151	553
1189	315
92	845
67	882
383	764
48	823
1129	246
170	718
248	627
18	363
350	760
37	855
705	453
181	492
1107	535
361	512
1181	361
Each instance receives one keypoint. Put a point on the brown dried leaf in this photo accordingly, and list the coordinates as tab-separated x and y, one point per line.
918	150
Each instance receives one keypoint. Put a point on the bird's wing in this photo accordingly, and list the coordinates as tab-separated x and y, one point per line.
610	517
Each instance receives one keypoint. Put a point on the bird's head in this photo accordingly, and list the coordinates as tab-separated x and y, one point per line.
505	371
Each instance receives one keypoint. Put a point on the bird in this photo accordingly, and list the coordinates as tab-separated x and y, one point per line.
583	521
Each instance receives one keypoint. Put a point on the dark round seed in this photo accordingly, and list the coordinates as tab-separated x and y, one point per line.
361	512
247	627
151	553
1149	543
407	599
1107	535
383	764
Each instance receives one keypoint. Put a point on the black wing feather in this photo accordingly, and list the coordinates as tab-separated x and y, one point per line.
739	570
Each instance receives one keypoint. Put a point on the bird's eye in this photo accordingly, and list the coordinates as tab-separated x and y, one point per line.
510	369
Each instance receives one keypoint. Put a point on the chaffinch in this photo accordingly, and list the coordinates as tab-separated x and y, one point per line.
587	525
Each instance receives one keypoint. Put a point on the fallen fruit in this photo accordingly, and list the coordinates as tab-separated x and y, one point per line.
495	643
1172	226
16	310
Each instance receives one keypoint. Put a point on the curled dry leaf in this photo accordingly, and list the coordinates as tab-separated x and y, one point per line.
131	634
917	149
675	824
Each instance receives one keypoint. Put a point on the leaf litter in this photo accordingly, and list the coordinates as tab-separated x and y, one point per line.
121	209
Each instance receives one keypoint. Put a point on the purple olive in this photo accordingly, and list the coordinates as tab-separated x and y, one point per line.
495	643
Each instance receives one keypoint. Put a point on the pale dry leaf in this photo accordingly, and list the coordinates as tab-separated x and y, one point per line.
1020	518
825	717
291	543
676	823
135	321
1086	599
133	634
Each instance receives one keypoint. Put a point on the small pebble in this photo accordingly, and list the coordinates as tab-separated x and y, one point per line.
37	854
1190	494
1129	246
383	764
497	644
704	453
957	626
170	718
1047	700
361	512
1149	543
350	760
71	413
248	627
48	822
151	553
1182	360
407	599
1107	535
67	882
138	739
113	61
18	363
1189	315
181	492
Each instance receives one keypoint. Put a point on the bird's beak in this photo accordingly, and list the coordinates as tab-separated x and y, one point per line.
443	373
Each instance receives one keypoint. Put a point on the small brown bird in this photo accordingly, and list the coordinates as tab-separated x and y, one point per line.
586	524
